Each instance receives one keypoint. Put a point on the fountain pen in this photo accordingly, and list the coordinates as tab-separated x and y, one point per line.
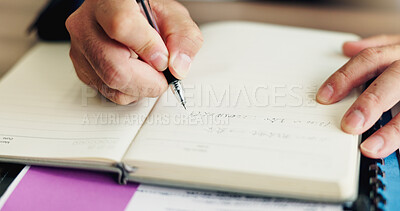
174	83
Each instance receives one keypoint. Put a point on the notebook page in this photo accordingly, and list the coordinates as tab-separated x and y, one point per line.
252	111
46	112
193	200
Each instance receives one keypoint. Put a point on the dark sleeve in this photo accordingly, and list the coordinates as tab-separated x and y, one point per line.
50	23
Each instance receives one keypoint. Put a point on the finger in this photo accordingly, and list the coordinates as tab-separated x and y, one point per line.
114	64
352	48
182	36
123	22
380	96
384	141
88	76
367	64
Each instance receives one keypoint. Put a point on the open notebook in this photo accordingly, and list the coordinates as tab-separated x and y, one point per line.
252	123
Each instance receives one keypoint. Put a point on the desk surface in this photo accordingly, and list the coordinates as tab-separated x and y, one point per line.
361	21
16	16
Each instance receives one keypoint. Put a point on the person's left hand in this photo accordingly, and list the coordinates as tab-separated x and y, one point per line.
372	57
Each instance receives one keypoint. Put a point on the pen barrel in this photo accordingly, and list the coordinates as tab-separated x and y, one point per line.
168	75
174	83
145	8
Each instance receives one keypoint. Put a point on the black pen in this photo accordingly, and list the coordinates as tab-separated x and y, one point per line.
173	82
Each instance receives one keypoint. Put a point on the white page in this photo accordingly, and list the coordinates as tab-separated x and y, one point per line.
45	111
256	86
156	198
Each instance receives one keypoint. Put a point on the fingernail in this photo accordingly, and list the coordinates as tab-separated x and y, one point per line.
181	64
354	121
325	94
373	144
159	60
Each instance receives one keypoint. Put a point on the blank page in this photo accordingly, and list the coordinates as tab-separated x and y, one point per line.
252	122
46	112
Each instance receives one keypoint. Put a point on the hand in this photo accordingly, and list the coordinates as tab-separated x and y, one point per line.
372	57
107	36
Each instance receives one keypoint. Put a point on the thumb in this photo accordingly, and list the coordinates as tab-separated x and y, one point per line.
182	36
352	48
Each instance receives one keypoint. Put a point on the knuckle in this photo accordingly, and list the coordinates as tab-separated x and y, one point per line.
343	76
370	55
68	23
395	66
193	39
196	41
71	24
372	97
113	74
196	37
116	27
192	32
114	77
144	46
77	23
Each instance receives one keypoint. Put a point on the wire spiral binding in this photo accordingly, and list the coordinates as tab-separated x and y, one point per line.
378	186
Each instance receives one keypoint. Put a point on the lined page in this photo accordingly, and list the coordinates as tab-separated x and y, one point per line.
252	121
46	112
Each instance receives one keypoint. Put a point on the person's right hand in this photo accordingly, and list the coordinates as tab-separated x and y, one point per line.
107	36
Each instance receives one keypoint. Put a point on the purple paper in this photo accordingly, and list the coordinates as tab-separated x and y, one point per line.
45	188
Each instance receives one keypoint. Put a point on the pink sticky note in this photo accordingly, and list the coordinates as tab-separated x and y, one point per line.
45	188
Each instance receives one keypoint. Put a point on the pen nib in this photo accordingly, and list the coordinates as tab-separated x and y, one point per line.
184	105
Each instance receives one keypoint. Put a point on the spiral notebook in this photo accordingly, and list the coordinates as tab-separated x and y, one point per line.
379	184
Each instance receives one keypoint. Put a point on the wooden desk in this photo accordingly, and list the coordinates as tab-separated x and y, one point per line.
16	15
364	22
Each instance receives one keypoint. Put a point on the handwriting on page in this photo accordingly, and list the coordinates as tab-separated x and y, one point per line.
285	121
261	133
255	133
